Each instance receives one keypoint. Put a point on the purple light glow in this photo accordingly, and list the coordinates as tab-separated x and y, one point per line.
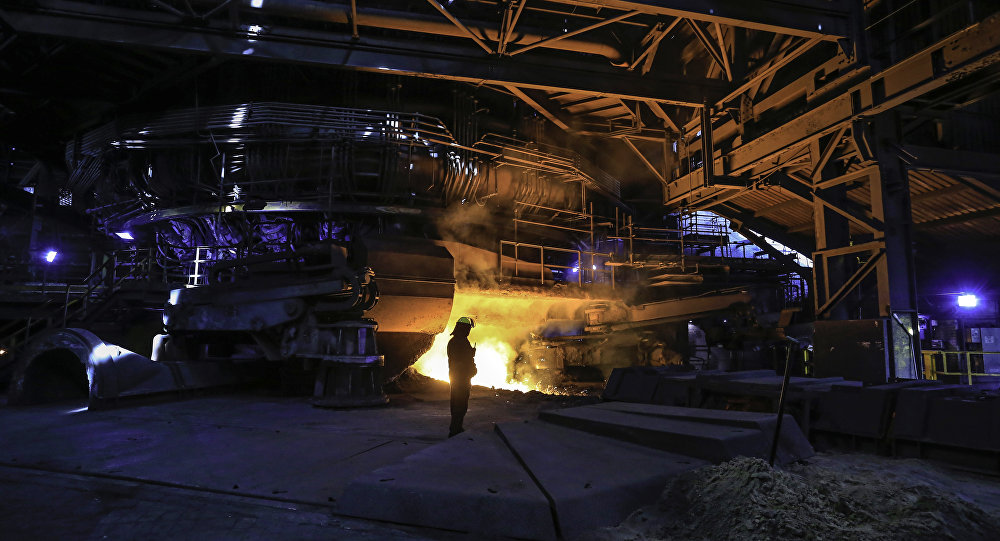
51	256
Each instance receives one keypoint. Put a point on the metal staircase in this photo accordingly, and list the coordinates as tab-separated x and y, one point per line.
80	302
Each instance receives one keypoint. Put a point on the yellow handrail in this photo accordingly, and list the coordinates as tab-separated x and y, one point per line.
931	371
581	269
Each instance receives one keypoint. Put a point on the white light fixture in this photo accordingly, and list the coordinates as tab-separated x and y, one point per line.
125	235
257	3
51	256
968	300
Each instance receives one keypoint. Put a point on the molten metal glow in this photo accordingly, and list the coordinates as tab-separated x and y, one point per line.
493	360
503	324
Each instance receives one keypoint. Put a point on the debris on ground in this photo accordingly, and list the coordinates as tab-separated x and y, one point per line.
745	498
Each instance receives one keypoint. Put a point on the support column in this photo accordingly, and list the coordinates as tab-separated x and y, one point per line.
863	264
830	271
896	272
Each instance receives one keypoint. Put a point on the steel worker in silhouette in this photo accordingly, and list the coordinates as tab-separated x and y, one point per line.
461	369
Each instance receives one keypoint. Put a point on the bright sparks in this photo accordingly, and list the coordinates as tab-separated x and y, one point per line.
503	324
493	361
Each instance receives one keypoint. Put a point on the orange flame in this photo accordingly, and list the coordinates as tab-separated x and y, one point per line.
504	322
493	360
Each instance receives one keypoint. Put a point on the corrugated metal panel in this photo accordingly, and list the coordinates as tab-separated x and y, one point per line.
948	211
933	197
945	198
788	215
793	214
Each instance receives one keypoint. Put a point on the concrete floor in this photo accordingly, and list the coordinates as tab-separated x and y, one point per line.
232	466
257	466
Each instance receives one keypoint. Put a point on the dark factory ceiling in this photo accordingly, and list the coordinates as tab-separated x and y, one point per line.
631	76
605	65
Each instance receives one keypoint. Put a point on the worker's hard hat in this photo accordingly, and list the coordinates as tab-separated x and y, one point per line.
466	321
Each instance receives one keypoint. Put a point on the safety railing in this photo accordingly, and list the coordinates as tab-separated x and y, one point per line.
698	234
574	221
512	258
116	269
706	232
132	264
342	123
794	291
962	365
626	231
547	158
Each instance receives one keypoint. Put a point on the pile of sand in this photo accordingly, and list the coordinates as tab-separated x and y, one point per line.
747	499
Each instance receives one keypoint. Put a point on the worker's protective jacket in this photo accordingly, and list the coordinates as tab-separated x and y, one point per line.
461	358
